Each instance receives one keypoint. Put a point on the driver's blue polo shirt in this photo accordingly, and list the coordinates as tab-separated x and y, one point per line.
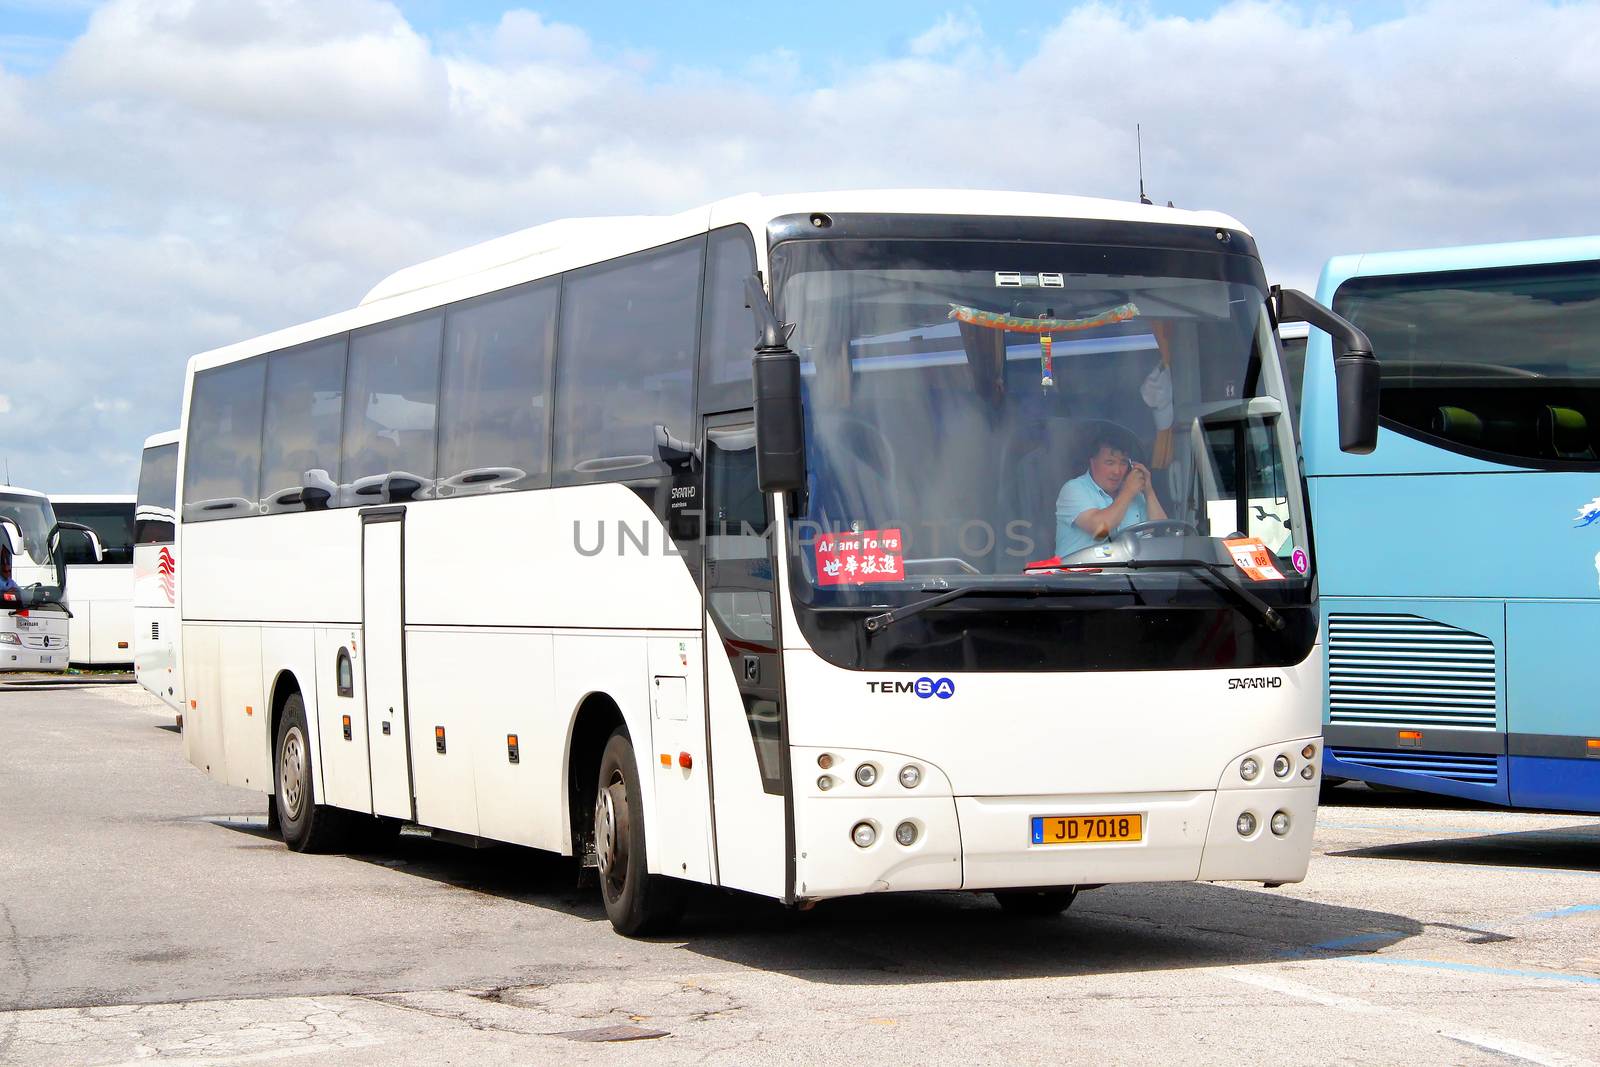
1082	494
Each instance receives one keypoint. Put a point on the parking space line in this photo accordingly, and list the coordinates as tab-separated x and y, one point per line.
1521	1050
1475	968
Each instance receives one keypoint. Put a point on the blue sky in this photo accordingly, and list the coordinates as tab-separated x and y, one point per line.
722	35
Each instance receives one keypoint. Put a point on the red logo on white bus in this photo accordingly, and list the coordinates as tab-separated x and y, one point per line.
168	570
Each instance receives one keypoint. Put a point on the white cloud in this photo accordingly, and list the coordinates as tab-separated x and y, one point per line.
5	404
192	173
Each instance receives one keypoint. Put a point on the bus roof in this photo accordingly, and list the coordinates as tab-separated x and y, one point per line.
165	437
91	498
12	490
564	244
1457	257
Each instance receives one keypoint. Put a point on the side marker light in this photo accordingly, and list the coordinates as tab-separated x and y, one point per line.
1308	752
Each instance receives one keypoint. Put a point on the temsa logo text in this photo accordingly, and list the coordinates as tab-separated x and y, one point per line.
924	687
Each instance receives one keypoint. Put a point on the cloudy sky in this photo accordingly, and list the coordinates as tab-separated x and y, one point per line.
179	174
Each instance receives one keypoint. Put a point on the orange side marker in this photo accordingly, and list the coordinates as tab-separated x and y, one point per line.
666	760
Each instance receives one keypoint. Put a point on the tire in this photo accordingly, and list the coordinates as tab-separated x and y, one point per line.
306	825
636	901
1036	903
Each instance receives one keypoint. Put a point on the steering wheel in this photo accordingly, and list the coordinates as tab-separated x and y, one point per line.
1143	531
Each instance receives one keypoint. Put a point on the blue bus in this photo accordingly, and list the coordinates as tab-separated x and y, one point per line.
1459	562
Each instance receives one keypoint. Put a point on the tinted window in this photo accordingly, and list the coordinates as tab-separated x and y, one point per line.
1502	361
494	424
728	333
223	456
158	495
300	448
389	416
628	335
111	521
1294	373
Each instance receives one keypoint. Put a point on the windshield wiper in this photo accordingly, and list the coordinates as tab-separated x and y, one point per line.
882	621
1221	574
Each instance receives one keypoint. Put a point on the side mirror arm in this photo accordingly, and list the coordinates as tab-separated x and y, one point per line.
1356	371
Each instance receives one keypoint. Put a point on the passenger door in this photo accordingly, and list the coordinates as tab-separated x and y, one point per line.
382	659
744	678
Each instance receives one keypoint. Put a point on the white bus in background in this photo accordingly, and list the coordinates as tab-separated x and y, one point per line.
102	591
563	540
34	616
155	570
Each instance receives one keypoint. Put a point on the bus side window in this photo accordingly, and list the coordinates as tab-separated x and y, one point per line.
494	408
728	329
305	399
625	362
389	412
223	467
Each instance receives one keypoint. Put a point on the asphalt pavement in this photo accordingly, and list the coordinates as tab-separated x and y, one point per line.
147	915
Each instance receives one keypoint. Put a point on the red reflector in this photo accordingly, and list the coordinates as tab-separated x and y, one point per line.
685	760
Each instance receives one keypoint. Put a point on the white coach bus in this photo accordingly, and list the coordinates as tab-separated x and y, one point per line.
565	540
102	590
35	621
155	569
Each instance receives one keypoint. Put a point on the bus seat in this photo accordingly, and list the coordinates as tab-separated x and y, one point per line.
1565	432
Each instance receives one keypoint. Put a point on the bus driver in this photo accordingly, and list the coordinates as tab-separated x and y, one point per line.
1112	495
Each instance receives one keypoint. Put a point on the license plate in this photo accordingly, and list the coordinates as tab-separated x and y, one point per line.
45	659
1086	829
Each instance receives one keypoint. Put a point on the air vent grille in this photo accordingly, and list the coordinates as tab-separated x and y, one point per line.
1475	770
1403	670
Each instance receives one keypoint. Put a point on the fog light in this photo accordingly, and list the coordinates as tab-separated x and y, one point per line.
863	835
911	776
1282	766
1280	823
1308	751
906	833
825	760
825	783
1246	824
866	774
1308	772
1249	767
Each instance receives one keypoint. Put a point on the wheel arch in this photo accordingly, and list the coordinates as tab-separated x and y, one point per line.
596	716
284	685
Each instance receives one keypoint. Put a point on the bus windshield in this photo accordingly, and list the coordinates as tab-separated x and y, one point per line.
995	413
35	518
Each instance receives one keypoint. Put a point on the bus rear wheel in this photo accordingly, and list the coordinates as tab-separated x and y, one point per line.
637	902
1036	903
306	825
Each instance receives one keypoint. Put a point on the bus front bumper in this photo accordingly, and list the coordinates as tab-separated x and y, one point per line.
982	843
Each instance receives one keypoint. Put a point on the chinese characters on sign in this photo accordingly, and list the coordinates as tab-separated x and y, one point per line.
856	558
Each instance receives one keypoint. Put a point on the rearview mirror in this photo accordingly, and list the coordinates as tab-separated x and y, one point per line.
1356	373
780	420
11	536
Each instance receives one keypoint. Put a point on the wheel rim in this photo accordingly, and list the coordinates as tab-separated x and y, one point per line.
611	818
292	761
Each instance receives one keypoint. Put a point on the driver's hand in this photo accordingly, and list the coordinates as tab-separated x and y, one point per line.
1140	477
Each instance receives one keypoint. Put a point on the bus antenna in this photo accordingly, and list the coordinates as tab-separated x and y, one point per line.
1138	141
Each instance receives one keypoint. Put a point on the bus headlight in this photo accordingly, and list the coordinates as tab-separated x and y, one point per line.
10	639
906	833
866	774
1249	767
864	834
825	783
1280	823
1282	766
1246	824
911	776
1308	772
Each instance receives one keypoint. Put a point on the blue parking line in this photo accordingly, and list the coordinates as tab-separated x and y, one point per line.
1473	968
1571	909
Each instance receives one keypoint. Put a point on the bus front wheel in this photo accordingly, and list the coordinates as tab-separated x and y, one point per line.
306	825
1036	903
637	902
